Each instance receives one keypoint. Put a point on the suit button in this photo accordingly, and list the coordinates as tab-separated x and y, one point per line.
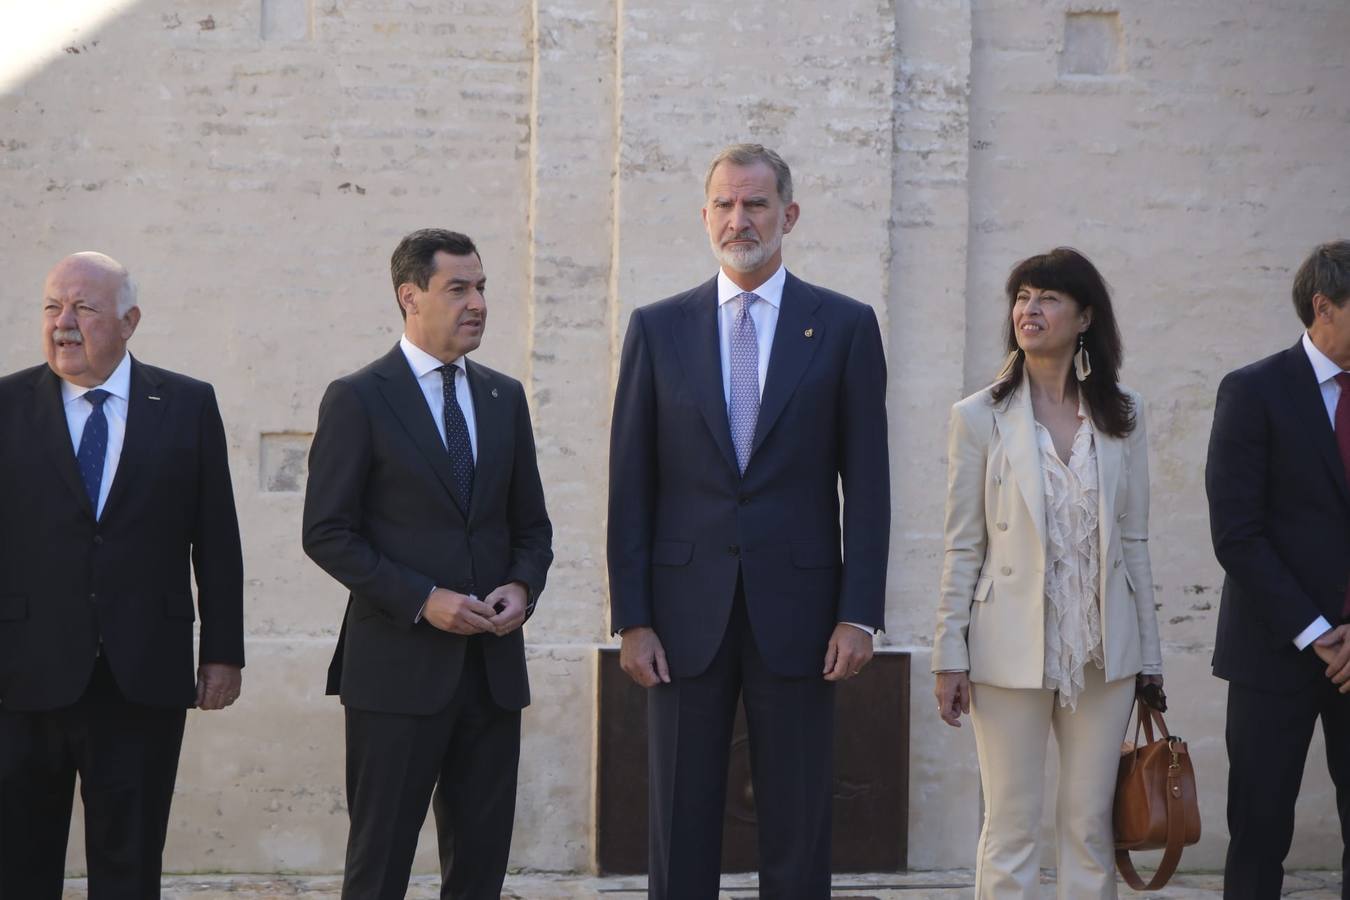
733	550
745	501
1006	570
1002	526
98	539
93	597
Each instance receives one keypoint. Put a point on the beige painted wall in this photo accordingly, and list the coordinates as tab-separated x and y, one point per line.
255	161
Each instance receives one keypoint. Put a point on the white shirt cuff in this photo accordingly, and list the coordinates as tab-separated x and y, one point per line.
1319	627
423	611
867	628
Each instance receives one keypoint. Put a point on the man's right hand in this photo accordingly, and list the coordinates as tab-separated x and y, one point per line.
457	613
953	696
1333	648
643	658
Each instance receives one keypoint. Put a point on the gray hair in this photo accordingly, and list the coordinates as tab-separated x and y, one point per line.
748	155
126	291
1326	271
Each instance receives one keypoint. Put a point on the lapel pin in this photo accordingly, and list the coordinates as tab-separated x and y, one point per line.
151	397
810	332
494	393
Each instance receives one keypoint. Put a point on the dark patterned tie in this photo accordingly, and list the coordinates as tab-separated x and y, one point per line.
743	408
94	446
1343	442
457	437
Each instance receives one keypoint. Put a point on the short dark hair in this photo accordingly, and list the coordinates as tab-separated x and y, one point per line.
414	258
1066	270
1326	271
748	155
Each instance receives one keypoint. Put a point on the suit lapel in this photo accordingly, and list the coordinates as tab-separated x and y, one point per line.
1110	457
1305	396
696	344
406	401
49	424
1017	428
791	354
492	424
147	404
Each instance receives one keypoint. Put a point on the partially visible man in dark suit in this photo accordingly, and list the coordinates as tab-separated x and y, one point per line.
424	496
1279	510
114	480
741	406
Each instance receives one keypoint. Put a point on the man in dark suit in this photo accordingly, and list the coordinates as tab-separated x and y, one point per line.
114	478
741	405
424	496
1279	510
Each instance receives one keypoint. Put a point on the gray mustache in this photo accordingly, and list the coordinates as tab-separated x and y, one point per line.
68	335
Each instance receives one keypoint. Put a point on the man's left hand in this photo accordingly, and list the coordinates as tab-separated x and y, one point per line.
849	650
218	685
509	602
1333	648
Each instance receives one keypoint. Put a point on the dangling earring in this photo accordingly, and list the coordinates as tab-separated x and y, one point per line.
1082	363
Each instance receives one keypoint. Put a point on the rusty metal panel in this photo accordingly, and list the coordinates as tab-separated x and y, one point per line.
871	777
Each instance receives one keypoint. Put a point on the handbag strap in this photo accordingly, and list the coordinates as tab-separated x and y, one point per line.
1176	835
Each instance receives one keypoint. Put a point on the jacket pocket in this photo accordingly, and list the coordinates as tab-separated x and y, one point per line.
13	609
983	588
814	555
179	606
672	553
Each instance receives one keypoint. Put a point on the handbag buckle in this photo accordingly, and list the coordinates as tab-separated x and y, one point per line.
1172	741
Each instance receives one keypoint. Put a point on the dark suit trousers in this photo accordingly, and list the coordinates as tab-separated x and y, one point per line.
466	755
127	758
791	725
1268	736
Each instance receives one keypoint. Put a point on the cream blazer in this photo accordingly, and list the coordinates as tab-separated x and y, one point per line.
991	616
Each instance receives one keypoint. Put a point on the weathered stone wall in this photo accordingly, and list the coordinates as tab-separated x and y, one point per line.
255	161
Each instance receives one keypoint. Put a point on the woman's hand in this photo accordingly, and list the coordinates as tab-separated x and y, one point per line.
953	696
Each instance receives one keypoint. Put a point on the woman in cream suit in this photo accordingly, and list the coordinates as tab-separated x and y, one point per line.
1046	618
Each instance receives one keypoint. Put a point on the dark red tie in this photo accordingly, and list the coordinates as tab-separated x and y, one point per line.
1343	441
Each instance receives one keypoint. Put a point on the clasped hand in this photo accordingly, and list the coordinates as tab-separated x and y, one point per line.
500	612
1333	648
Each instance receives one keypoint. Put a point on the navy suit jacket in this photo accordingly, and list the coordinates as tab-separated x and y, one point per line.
69	582
1279	512
684	524
381	517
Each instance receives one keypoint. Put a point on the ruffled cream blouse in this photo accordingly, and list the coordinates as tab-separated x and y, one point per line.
1073	620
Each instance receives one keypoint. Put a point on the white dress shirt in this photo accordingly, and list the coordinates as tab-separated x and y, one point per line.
78	411
425	369
764	314
1325	371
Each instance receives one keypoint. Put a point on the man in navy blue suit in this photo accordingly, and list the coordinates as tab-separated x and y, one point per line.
1278	480
742	404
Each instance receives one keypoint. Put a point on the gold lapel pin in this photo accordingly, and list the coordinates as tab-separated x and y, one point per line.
810	332
494	392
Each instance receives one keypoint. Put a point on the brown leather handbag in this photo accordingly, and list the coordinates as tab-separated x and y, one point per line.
1156	802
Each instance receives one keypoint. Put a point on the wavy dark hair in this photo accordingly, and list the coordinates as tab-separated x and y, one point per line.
1067	271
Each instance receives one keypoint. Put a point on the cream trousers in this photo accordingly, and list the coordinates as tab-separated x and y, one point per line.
1012	728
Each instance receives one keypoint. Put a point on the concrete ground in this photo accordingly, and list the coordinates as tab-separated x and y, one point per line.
954	884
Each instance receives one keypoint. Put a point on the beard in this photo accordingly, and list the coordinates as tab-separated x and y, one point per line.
744	258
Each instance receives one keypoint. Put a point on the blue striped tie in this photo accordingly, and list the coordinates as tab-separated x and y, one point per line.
94	446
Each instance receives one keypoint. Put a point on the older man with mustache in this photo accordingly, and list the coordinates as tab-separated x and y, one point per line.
742	406
115	484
